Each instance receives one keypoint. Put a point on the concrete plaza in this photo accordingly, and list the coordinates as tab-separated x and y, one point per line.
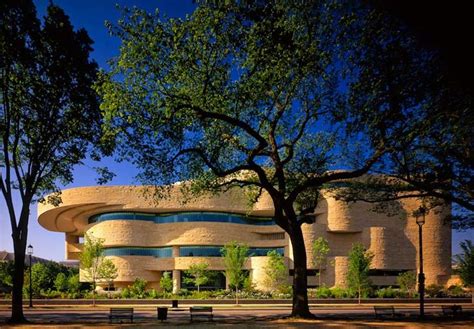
248	316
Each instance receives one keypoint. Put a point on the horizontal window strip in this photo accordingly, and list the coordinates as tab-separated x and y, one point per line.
186	251
215	251
162	252
183	217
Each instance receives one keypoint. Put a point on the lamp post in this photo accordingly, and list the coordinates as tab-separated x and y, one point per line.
420	220
29	251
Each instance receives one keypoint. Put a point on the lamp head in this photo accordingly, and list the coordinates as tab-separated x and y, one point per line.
420	216
29	250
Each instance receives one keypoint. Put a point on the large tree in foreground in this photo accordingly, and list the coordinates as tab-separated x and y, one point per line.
49	114
235	95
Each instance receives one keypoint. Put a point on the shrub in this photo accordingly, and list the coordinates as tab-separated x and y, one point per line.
338	292
435	291
456	291
407	281
153	294
323	292
138	288
388	292
125	293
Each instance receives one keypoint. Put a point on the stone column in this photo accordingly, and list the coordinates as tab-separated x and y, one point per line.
176	281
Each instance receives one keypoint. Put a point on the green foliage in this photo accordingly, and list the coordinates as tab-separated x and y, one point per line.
358	273
49	113
91	258
108	272
268	96
338	292
138	288
388	292
234	256
125	293
198	274
407	281
166	283
6	275
74	283
323	292
456	291
466	263
153	294
276	272
435	291
61	282
320	253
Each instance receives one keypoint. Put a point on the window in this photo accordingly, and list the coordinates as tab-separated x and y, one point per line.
184	217
137	251
272	236
215	251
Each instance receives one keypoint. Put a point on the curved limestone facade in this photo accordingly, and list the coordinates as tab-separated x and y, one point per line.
145	238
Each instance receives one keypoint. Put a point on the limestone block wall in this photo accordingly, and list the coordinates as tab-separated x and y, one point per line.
340	216
148	234
392	239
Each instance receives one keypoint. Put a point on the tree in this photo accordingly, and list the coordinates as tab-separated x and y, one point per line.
236	95
407	281
277	272
320	255
49	114
91	260
166	283
108	273
402	93
466	264
234	256
198	274
359	266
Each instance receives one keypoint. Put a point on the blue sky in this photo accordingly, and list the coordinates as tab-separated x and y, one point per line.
91	15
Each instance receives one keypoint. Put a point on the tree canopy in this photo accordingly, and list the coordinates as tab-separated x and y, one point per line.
49	113
276	97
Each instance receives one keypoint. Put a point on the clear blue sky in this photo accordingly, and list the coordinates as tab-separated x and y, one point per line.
91	14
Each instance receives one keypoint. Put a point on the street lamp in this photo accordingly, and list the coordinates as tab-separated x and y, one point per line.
29	251
420	220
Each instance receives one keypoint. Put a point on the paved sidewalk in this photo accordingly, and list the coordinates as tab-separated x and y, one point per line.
242	317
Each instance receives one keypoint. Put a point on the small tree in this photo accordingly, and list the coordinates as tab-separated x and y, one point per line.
198	274
108	272
61	282
235	256
359	265
407	281
91	259
166	283
466	265
277	272
320	255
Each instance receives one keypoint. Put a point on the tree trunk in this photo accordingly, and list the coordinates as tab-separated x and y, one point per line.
19	248
300	286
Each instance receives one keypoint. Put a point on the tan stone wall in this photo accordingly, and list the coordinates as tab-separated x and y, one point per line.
149	234
392	239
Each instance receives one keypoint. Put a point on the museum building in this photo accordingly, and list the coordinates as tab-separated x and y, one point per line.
145	238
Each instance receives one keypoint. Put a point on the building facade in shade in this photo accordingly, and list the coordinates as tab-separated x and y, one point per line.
145	238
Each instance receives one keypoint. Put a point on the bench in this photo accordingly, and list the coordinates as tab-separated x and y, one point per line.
382	311
201	311
451	310
120	314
